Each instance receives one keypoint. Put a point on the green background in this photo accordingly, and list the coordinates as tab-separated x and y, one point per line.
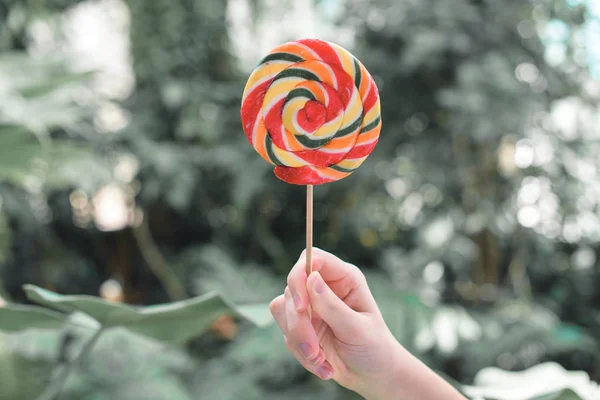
475	219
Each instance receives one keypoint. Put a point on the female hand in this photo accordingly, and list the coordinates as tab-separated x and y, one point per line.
347	339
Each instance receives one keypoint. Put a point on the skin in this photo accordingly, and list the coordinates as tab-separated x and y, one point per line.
347	339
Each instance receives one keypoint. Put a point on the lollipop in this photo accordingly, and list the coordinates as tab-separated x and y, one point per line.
311	109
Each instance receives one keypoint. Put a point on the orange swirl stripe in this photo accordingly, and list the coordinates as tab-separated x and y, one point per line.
311	109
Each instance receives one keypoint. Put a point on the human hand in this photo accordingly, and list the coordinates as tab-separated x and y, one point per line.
347	339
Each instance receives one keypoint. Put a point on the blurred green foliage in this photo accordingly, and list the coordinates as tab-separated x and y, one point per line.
475	219
96	319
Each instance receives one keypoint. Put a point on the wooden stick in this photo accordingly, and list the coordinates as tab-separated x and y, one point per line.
309	228
309	236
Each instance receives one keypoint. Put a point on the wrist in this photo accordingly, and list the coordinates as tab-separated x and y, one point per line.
386	385
407	379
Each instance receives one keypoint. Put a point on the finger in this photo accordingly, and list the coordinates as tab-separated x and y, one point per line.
346	324
277	308
319	366
319	325
345	280
297	283
323	370
300	332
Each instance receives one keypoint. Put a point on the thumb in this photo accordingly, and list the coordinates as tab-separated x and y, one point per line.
344	322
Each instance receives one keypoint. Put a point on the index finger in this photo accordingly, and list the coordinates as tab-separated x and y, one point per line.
329	266
296	281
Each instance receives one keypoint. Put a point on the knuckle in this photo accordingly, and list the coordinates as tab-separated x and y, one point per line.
275	305
318	260
317	250
357	273
288	343
293	327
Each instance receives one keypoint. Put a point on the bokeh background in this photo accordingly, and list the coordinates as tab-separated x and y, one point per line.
125	175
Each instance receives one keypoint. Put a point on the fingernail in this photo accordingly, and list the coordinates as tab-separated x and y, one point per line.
297	302
319	359
305	350
324	372
319	284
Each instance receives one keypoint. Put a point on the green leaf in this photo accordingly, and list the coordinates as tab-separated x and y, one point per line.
18	148
8	376
259	314
27	359
5	240
547	381
40	94
243	283
54	83
175	322
20	317
125	365
566	394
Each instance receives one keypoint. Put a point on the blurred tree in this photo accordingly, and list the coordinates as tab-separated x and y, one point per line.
484	185
466	87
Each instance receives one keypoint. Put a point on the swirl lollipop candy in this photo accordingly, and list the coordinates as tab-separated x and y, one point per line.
311	109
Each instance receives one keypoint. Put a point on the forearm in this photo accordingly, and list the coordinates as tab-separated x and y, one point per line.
410	380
